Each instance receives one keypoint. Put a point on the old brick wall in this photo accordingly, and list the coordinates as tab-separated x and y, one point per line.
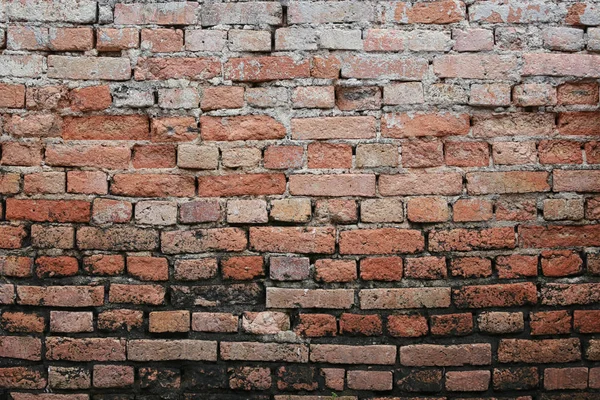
299	200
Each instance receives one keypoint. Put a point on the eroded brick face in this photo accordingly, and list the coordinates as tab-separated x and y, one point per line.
299	200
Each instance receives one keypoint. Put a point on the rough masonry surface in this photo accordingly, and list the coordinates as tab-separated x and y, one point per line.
299	200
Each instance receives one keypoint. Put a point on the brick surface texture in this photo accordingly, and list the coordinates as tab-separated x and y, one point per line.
299	200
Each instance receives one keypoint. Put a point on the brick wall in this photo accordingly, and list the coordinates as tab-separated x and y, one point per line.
299	200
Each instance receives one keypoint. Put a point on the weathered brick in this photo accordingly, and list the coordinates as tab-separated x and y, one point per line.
404	298
89	68
317	298
333	128
171	13
163	350
253	351
199	69
346	354
446	355
293	239
539	351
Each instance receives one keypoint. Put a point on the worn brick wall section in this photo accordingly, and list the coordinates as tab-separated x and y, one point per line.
299	200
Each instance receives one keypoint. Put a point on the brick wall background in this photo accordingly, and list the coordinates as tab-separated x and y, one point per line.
299	200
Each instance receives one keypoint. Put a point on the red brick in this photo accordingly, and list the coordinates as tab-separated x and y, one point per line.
567	294
353	127
451	324
174	129
148	268
578	93
240	185
21	347
332	185
586	321
407	325
21	154
116	39
358	98
467	381
473	209
261	69
252	378
560	152
201	240
467	154
539	351
169	321
461	239
22	322
104	264
470	267
222	97
114	320
381	268
71	322
329	155
199	211
436	12
427	209
421	183
87	182
565	378
33	125
153	185
375	66
309	298
507	182
110	376
516	266
442	355
44	182
177	13
422	153
325	66
561	263
404	125
316	325
380	241
115	211
550	322
265	322
61	296
592	152
101	127
59	236
214	322
15	266
576	181
331	270
12	96
195	269
242	268
200	68
423	297
11	237
99	156
293	239
425	268
56	267
91	98
345	354
504	295
85	349
283	157
513	124
559	236
162	40
136	294
474	66
516	209
246	127
48	210
370	380
497	322
22	378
